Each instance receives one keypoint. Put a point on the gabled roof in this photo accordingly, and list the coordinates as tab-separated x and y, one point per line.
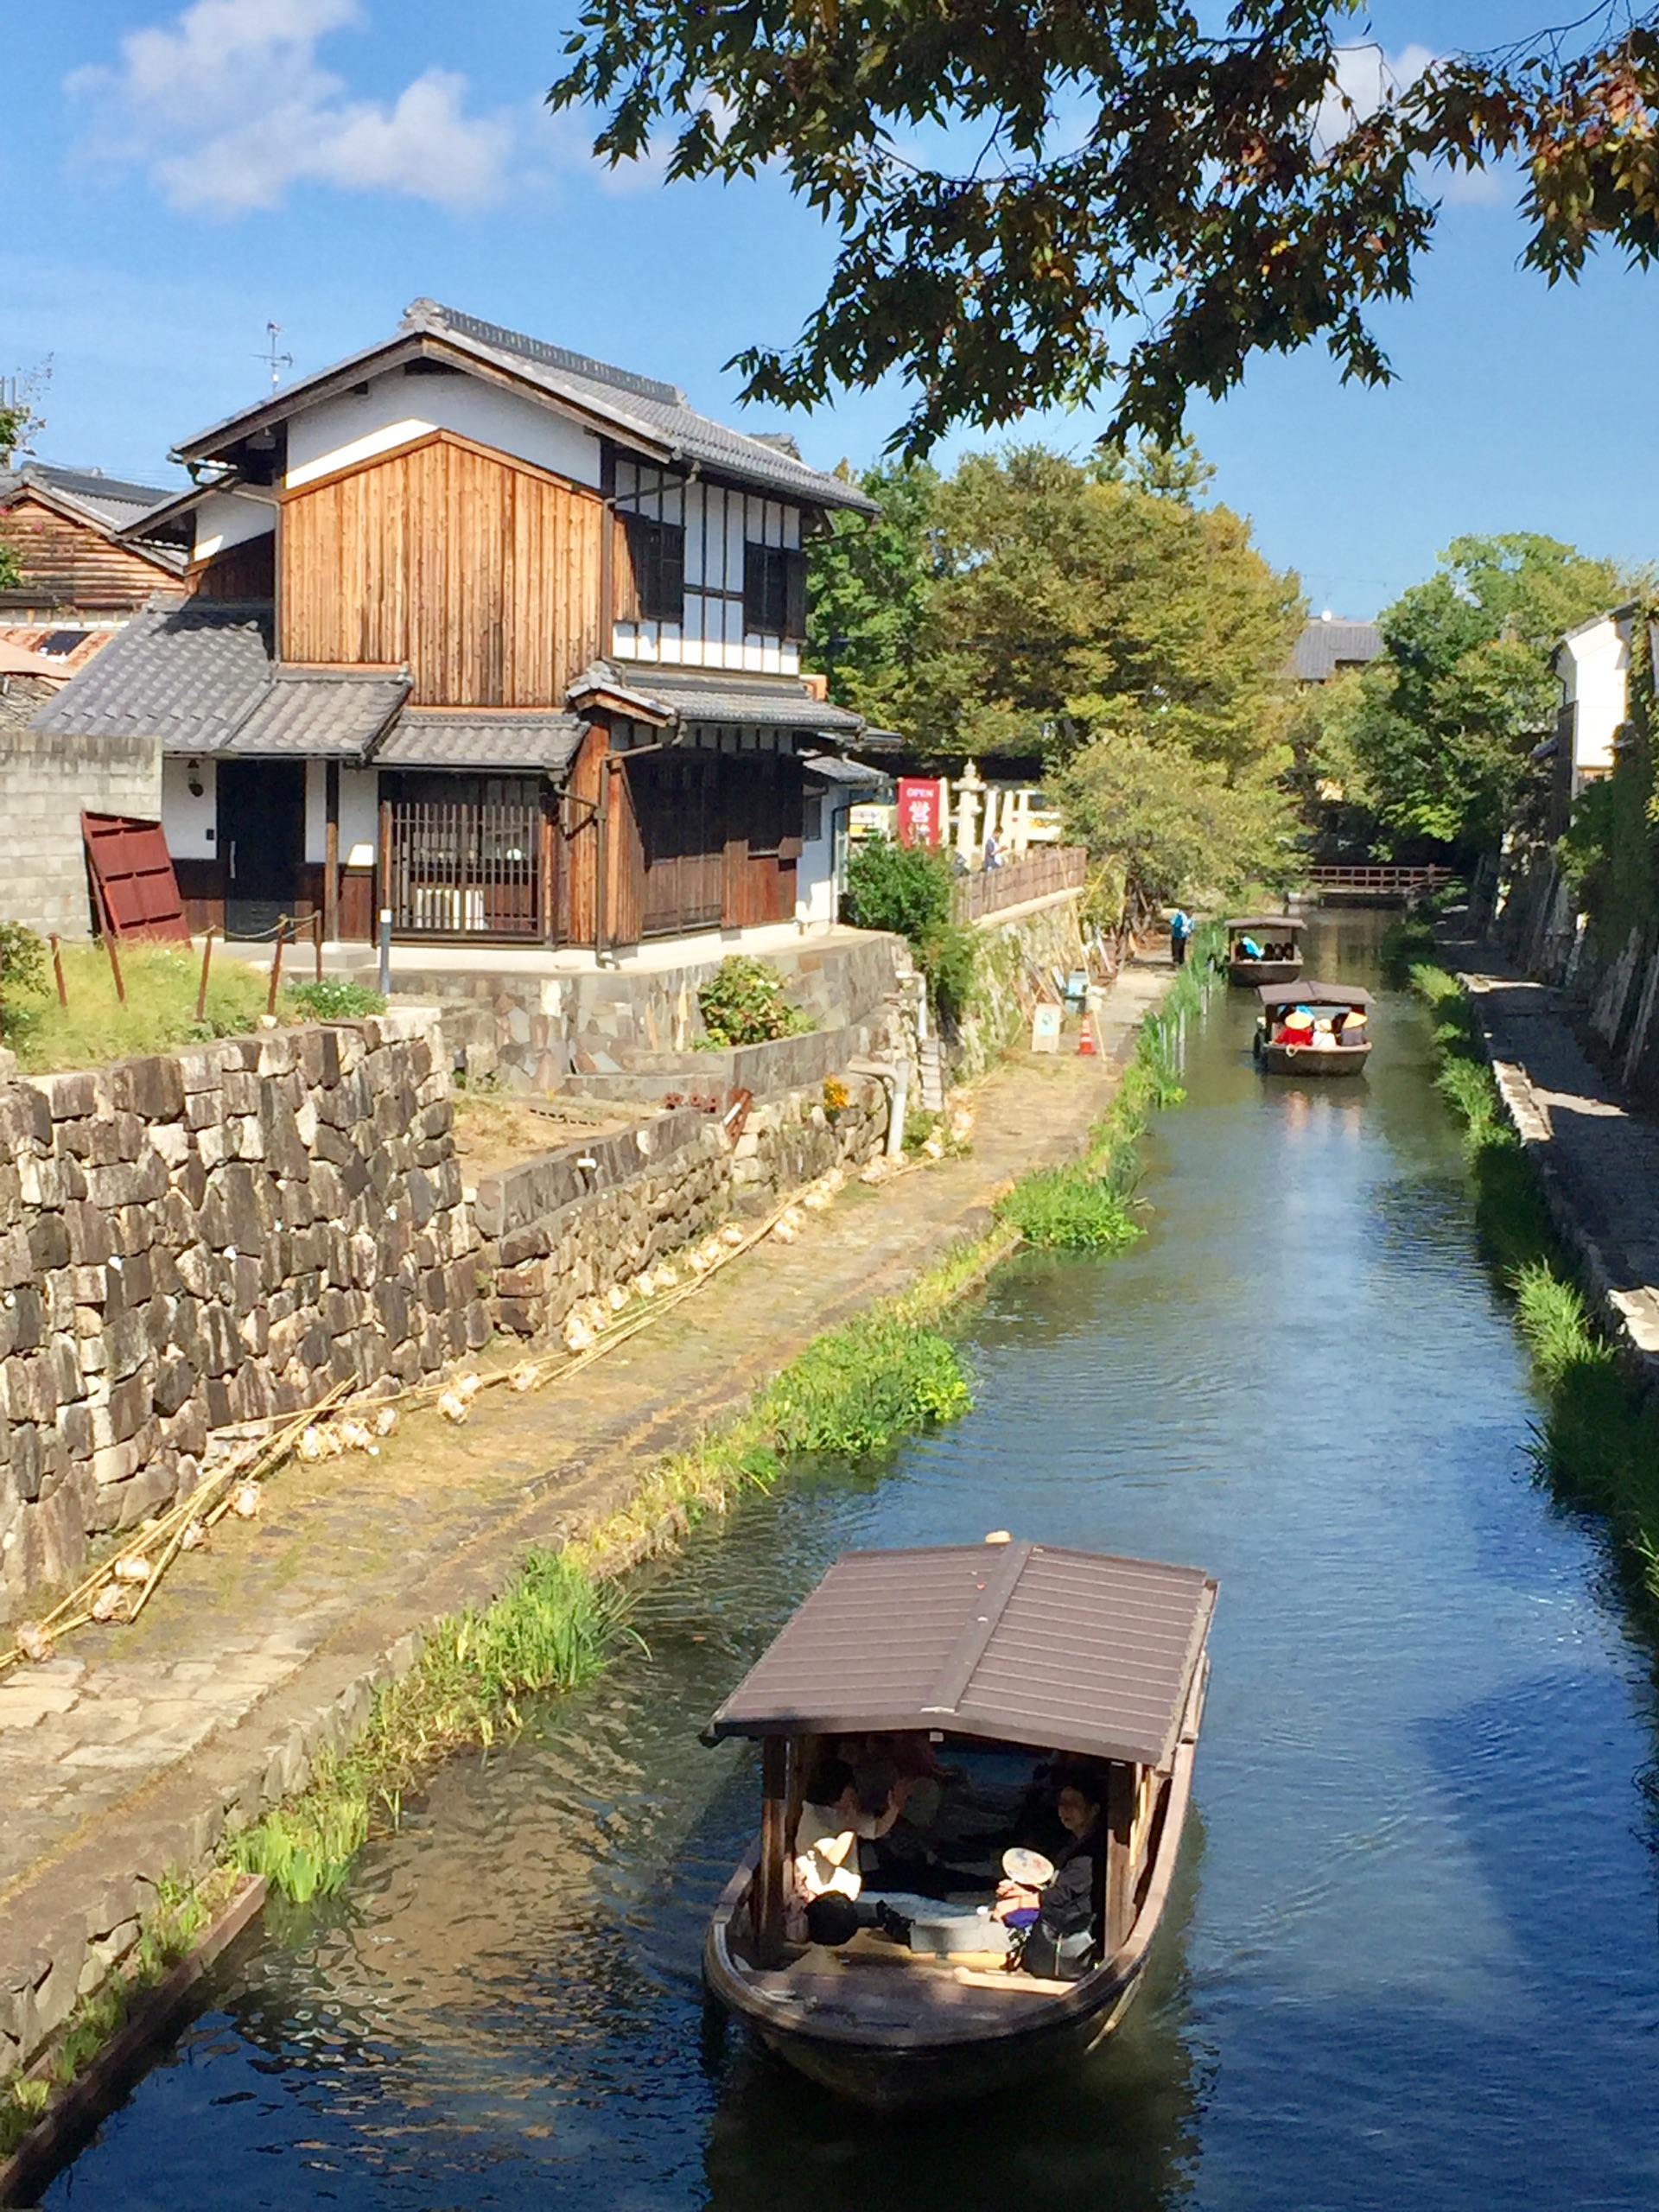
653	418
1328	644
1023	1643
108	504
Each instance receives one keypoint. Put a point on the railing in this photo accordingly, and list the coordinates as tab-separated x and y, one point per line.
461	868
1039	875
1384	878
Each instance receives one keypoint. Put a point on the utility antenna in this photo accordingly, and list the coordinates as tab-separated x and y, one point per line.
273	358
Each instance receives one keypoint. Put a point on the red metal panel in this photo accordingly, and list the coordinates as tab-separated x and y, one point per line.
132	871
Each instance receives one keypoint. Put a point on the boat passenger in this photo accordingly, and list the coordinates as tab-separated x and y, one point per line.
1350	1028
1250	948
1057	1947
831	1922
832	1822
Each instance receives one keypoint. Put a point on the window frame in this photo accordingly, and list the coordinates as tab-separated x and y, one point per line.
774	592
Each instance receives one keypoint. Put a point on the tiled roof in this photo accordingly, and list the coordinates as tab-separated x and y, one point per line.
657	416
835	768
108	503
339	712
729	697
190	675
1327	645
530	743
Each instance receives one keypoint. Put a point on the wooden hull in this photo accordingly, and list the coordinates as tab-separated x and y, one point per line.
1247	974
995	2038
1309	1059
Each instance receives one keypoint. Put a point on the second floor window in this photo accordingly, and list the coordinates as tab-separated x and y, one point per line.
657	556
774	591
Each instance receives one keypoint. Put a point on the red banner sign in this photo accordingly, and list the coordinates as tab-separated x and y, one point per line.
921	811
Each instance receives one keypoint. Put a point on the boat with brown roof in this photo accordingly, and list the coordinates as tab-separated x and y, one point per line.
1277	956
1336	1039
998	1658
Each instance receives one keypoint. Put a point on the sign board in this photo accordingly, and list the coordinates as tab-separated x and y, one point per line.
921	811
1046	1028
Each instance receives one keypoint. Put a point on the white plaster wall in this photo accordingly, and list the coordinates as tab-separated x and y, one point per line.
817	886
1595	671
718	523
359	809
190	823
397	409
226	518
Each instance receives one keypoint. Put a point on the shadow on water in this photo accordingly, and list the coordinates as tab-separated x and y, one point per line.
1413	1963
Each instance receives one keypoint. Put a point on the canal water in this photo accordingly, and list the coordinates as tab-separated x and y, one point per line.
1413	1960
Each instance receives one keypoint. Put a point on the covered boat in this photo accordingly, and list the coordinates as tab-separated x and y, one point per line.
1264	948
991	1659
1309	1028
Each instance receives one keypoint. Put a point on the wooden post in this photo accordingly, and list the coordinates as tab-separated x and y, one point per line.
276	966
330	856
769	1875
1120	1855
207	960
57	969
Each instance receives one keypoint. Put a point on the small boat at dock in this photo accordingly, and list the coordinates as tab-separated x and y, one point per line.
1264	948
982	1666
1309	1028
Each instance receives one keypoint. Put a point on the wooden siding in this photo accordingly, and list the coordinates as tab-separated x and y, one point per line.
247	571
480	572
68	565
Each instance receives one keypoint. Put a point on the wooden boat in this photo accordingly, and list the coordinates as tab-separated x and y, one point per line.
1326	1001
1279	936
1019	1647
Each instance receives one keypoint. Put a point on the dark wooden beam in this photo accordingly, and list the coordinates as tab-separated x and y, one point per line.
769	1874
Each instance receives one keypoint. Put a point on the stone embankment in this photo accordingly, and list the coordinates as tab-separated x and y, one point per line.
1596	1159
124	1757
211	1236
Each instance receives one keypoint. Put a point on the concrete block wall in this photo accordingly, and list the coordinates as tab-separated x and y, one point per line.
195	1239
45	785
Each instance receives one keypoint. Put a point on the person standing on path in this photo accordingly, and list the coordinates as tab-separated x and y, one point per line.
1180	931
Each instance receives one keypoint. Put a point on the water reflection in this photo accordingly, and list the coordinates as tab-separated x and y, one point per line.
1413	1959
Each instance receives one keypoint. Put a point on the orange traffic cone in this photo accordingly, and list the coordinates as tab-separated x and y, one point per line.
1086	1039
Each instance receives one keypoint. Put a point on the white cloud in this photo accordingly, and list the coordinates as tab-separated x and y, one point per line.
1364	79
227	107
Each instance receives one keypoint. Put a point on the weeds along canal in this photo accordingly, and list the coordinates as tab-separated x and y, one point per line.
1413	1959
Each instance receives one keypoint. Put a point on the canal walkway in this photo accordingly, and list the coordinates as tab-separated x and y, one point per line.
121	1758
1597	1160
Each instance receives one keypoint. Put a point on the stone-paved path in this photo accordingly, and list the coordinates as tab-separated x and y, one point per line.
119	1757
1599	1161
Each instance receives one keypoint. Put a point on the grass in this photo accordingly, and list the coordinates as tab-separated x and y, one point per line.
1598	1441
160	1012
181	1913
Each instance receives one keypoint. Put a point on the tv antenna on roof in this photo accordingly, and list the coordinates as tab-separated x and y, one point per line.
274	360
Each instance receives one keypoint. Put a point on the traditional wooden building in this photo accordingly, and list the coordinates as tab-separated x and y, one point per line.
488	634
72	532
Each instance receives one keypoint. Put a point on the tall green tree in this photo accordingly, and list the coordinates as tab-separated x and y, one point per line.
871	579
1465	689
1138	197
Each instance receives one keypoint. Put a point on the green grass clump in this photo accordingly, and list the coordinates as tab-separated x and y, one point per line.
855	1389
334	998
551	1629
160	1012
1071	1208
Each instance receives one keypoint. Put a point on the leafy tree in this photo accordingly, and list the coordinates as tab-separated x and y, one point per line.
906	888
1137	196
870	579
1464	690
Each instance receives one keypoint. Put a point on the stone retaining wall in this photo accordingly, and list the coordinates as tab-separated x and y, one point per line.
555	1231
215	1236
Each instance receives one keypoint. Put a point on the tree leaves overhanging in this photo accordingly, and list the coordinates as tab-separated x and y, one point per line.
1145	203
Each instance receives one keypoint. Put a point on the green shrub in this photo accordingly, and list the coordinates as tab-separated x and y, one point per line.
336	998
743	1003
904	888
22	968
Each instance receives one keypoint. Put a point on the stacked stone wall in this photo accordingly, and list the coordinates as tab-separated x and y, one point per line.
546	1247
192	1240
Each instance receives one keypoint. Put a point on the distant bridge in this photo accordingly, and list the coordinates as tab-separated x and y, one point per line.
1379	885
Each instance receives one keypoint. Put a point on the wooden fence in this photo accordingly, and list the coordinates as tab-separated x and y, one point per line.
1039	875
1383	880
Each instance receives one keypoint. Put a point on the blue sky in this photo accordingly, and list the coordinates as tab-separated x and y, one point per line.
175	176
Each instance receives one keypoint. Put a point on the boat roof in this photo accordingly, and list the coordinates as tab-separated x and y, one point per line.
1281	925
1022	1643
1303	992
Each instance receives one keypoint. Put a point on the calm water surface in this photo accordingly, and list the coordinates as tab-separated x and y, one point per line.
1413	1960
